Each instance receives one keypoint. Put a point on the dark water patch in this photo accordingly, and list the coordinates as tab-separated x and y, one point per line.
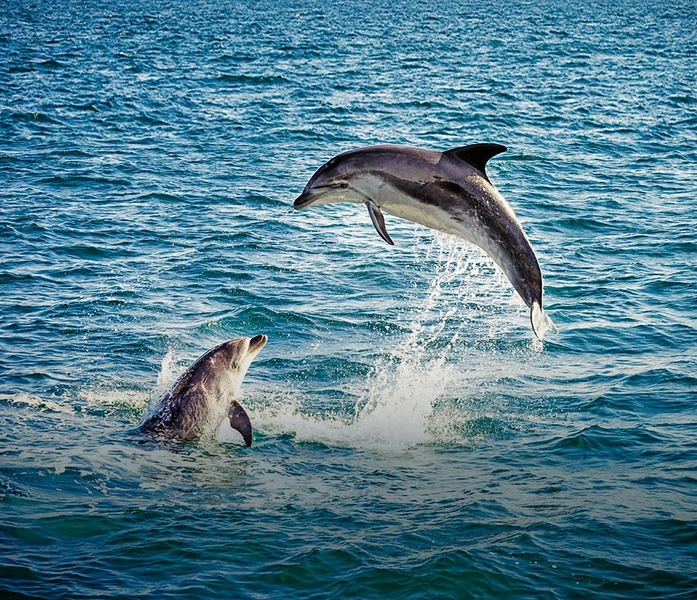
687	121
658	379
160	197
7	159
10	279
71	153
150	120
590	224
79	181
597	440
683	99
253	80
88	252
85	107
238	57
51	64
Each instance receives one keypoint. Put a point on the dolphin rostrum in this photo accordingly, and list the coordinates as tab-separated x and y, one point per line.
448	191
205	394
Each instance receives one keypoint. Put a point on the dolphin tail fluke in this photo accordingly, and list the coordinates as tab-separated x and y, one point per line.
541	323
239	420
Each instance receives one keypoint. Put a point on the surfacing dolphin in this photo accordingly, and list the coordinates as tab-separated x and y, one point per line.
448	191
205	394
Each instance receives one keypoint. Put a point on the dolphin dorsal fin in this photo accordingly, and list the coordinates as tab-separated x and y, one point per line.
477	155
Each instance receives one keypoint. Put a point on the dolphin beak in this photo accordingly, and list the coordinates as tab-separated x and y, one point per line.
303	200
309	196
257	343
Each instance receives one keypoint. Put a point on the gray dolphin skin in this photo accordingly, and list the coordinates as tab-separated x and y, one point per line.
205	394
448	191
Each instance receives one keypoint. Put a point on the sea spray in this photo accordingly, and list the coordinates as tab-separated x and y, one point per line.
169	371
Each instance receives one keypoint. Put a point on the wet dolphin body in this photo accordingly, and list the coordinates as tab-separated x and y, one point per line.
448	191
205	394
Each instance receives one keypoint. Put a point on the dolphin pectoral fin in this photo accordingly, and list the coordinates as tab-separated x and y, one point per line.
378	220
239	420
477	155
541	323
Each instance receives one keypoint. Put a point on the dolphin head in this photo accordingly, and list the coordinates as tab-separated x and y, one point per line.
220	371
230	361
333	182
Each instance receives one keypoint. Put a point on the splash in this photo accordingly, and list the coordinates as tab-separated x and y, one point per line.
398	405
169	371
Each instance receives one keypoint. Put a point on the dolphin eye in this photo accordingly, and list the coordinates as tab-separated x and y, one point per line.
343	185
234	365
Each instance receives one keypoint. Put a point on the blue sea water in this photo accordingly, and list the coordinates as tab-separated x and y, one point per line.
412	439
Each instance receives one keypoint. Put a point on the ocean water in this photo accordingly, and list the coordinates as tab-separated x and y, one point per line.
412	439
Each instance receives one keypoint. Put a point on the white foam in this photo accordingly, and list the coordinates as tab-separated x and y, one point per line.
36	402
111	398
108	398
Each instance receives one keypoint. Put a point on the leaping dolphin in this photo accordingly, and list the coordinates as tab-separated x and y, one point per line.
205	394
448	191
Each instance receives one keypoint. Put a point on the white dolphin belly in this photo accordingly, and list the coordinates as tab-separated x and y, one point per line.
466	226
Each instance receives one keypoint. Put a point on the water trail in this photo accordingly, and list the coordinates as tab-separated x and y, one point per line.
424	367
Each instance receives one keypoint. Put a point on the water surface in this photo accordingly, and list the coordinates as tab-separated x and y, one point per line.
412	440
